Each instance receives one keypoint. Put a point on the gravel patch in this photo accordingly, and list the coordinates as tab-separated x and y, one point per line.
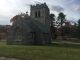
5	58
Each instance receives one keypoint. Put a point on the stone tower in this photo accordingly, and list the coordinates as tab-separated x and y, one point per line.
41	13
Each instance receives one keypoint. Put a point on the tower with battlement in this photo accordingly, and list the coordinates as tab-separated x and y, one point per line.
33	29
41	13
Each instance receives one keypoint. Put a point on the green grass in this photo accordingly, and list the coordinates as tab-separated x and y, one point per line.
49	52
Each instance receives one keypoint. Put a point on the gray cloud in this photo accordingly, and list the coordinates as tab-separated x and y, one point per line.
78	9
57	8
13	7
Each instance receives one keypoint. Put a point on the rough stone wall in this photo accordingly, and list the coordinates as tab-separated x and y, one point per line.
44	13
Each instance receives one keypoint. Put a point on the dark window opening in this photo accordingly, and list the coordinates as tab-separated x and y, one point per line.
35	14
38	13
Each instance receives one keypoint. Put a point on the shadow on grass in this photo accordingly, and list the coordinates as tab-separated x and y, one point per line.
65	45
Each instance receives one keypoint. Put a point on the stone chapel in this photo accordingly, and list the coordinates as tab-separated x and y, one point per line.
33	29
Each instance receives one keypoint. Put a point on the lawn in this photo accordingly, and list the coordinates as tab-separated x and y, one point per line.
49	52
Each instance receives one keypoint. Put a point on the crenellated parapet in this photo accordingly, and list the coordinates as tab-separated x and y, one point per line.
39	6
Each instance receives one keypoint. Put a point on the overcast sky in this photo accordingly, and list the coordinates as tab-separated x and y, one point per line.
9	8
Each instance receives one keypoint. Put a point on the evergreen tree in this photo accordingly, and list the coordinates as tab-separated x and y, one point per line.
61	18
52	26
78	30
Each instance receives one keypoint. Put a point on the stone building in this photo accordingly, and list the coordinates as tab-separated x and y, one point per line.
33	29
